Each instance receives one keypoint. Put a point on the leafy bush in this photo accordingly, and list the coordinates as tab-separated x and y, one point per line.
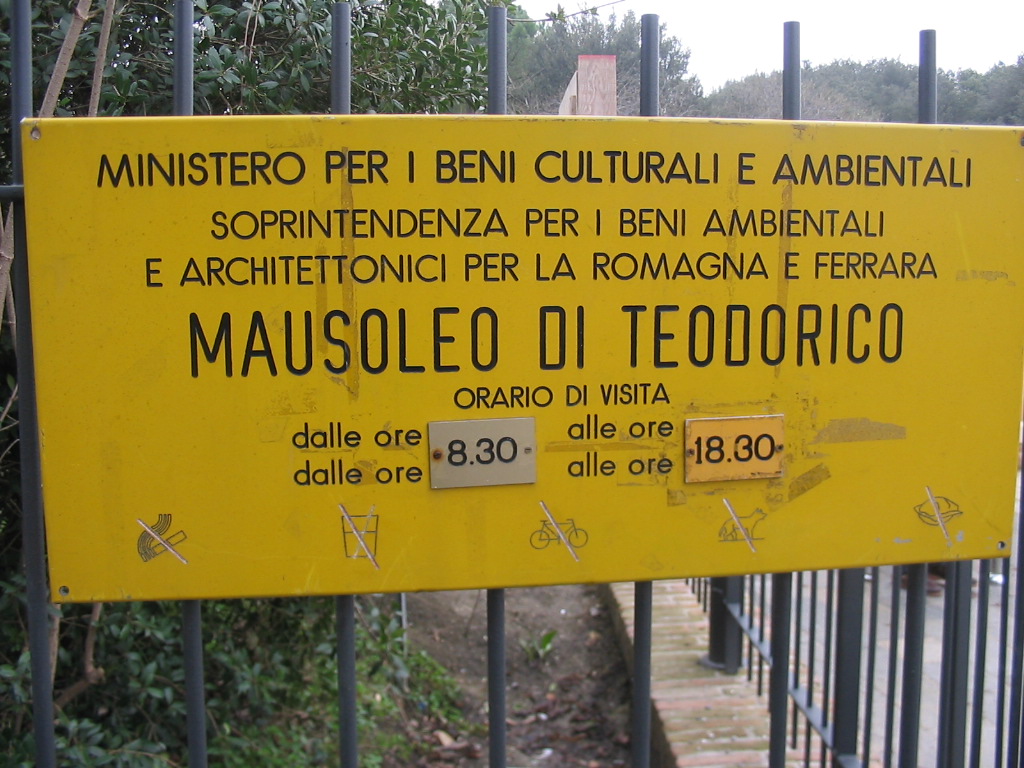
271	685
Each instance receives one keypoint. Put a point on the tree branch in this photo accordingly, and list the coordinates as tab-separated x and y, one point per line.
91	673
101	58
67	49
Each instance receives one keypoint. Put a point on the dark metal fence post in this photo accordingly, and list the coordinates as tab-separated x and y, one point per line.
497	104
497	734
791	87
643	608
849	631
782	583
650	58
33	534
724	634
345	617
341	58
913	660
778	683
916	575
344	605
956	618
191	610
928	80
643	591
1015	723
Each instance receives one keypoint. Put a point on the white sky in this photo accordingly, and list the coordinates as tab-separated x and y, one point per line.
730	39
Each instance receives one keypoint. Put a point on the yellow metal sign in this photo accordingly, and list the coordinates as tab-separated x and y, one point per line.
328	355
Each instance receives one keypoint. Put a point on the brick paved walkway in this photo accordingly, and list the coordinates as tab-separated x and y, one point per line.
702	718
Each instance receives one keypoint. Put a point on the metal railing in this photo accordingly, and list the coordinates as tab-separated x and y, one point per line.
865	687
820	636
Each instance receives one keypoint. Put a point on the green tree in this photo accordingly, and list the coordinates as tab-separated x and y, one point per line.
883	90
262	57
269	670
541	64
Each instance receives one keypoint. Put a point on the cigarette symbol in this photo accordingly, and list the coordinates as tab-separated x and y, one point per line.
152	541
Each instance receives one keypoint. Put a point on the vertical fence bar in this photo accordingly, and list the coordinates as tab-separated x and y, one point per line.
782	583
723	632
497	104
849	628
869	673
195	686
928	80
344	605
33	534
1003	656
650	56
791	95
896	572
827	670
762	617
341	58
184	66
980	659
812	637
496	676
497	60
778	682
191	610
917	575
643	608
913	660
1014	744
798	624
643	591
955	663
345	619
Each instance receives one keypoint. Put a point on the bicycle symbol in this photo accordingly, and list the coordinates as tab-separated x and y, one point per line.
577	537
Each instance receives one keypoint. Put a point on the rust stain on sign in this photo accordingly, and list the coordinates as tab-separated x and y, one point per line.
860	430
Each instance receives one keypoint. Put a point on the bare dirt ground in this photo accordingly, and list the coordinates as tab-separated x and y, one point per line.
567	692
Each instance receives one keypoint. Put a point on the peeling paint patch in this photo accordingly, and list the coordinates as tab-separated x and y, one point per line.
860	430
898	540
808	480
676	498
980	274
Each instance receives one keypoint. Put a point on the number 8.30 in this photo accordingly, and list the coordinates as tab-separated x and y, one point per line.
504	450
714	449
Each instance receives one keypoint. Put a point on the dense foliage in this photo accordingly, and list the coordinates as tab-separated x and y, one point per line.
270	670
258	57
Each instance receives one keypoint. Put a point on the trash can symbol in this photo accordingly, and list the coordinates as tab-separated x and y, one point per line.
360	535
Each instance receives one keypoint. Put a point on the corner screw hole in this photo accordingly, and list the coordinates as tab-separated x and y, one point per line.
64	591
35	133
1001	545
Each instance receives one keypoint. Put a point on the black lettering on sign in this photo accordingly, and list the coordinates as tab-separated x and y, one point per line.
355	166
372	340
178	169
153	273
554	334
552	222
473	166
